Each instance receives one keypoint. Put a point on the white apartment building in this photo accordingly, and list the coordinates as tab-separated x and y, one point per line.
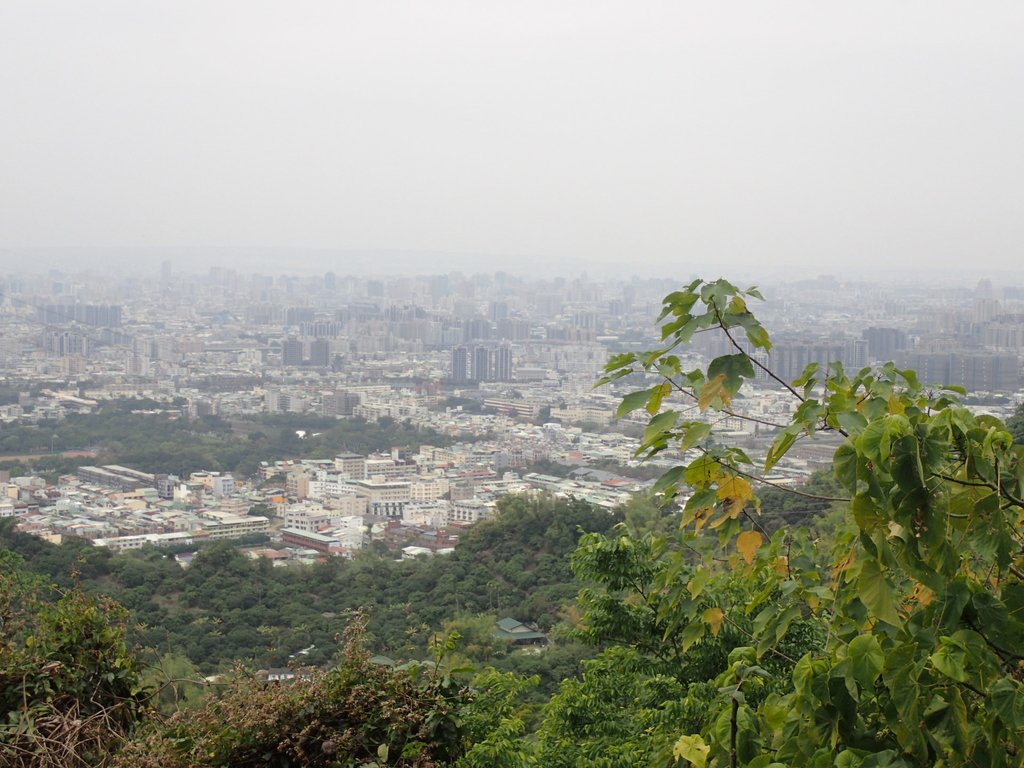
430	514
383	498
306	517
126	543
429	488
470	511
224	525
388	468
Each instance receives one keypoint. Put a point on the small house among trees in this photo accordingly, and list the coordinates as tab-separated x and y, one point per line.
520	634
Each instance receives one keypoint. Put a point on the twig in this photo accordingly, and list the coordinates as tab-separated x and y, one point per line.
750	636
1001	492
777	486
751	358
755	523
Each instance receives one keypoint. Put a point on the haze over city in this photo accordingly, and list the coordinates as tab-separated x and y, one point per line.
537	137
479	384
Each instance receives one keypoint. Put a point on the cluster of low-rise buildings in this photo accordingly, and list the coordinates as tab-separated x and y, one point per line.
410	497
416	498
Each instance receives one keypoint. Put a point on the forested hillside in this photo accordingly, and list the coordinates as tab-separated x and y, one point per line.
226	607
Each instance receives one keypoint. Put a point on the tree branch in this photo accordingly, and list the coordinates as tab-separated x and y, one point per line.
751	358
1004	654
1003	493
756	524
744	417
750	636
777	486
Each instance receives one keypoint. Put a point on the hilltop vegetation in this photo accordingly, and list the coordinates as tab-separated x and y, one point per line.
225	607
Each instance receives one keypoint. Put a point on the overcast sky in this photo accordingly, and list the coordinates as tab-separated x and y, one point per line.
644	134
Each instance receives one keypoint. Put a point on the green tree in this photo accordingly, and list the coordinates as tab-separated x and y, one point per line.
69	688
356	713
174	682
920	606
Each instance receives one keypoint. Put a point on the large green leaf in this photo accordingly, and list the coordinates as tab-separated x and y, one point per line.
1008	700
634	401
779	447
877	594
950	659
866	660
844	464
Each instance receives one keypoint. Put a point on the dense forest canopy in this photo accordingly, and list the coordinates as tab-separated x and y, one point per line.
225	607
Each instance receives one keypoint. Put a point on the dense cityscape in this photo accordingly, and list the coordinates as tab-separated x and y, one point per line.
492	374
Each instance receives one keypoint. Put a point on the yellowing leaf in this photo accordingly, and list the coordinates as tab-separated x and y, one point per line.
734	487
722	519
713	389
921	595
700	518
714	617
737	306
781	565
696	515
748	543
736	492
843	564
692	749
657	395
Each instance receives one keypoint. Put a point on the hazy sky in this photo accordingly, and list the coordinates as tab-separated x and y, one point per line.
646	134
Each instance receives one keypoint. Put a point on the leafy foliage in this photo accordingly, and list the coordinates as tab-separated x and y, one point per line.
69	687
358	713
227	608
921	607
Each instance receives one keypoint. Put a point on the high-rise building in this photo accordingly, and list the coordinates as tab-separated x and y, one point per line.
514	329
291	352
884	343
65	344
480	364
100	315
338	403
502	367
477	328
855	354
320	329
296	315
320	352
460	364
499	311
974	372
788	360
